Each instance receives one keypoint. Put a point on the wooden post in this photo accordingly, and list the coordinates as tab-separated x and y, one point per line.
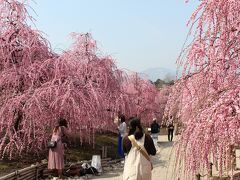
237	158
16	173
198	177
210	170
80	137
104	151
93	140
176	129
37	172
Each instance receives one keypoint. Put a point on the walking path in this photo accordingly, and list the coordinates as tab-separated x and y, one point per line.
163	163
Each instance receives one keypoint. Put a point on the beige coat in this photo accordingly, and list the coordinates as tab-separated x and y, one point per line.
136	166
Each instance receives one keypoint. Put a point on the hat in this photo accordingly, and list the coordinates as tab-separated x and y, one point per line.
154	119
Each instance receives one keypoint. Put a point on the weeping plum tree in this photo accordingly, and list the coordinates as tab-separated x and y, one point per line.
39	86
96	92
144	99
208	91
22	50
162	100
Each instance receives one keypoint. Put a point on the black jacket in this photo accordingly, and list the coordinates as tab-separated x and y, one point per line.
155	128
148	144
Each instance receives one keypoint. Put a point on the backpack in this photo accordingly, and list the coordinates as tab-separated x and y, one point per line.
154	128
171	126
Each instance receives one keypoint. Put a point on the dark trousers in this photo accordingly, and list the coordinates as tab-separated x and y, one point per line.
170	134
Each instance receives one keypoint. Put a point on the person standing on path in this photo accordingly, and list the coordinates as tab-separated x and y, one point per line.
56	155
170	128
138	146
122	129
155	129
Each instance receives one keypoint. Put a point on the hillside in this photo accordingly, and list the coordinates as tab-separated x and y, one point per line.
158	73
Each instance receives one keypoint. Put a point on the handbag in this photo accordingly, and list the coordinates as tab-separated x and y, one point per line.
140	149
52	144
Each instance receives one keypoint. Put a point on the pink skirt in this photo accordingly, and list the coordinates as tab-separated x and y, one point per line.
56	157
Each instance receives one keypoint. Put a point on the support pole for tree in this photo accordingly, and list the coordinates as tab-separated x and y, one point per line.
93	141
198	177
210	170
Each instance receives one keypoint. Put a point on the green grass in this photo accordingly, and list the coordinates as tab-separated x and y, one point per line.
86	151
3	167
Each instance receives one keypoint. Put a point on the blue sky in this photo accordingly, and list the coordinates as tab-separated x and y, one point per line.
138	34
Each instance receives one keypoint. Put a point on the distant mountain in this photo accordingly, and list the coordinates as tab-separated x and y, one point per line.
158	73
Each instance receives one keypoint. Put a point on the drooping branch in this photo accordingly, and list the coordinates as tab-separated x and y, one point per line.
207	94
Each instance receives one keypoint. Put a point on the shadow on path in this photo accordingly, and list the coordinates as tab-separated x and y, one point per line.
157	162
110	175
165	144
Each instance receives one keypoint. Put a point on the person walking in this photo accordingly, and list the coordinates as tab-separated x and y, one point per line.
155	129
138	146
56	154
170	128
122	129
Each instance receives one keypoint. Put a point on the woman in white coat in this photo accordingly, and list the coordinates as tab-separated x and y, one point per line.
122	128
137	165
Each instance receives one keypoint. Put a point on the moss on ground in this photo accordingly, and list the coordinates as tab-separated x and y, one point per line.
86	151
3	167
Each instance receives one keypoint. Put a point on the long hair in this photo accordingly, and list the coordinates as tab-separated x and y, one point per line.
135	128
61	122
122	118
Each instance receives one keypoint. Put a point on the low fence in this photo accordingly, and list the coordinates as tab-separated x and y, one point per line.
29	173
235	166
236	156
38	171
